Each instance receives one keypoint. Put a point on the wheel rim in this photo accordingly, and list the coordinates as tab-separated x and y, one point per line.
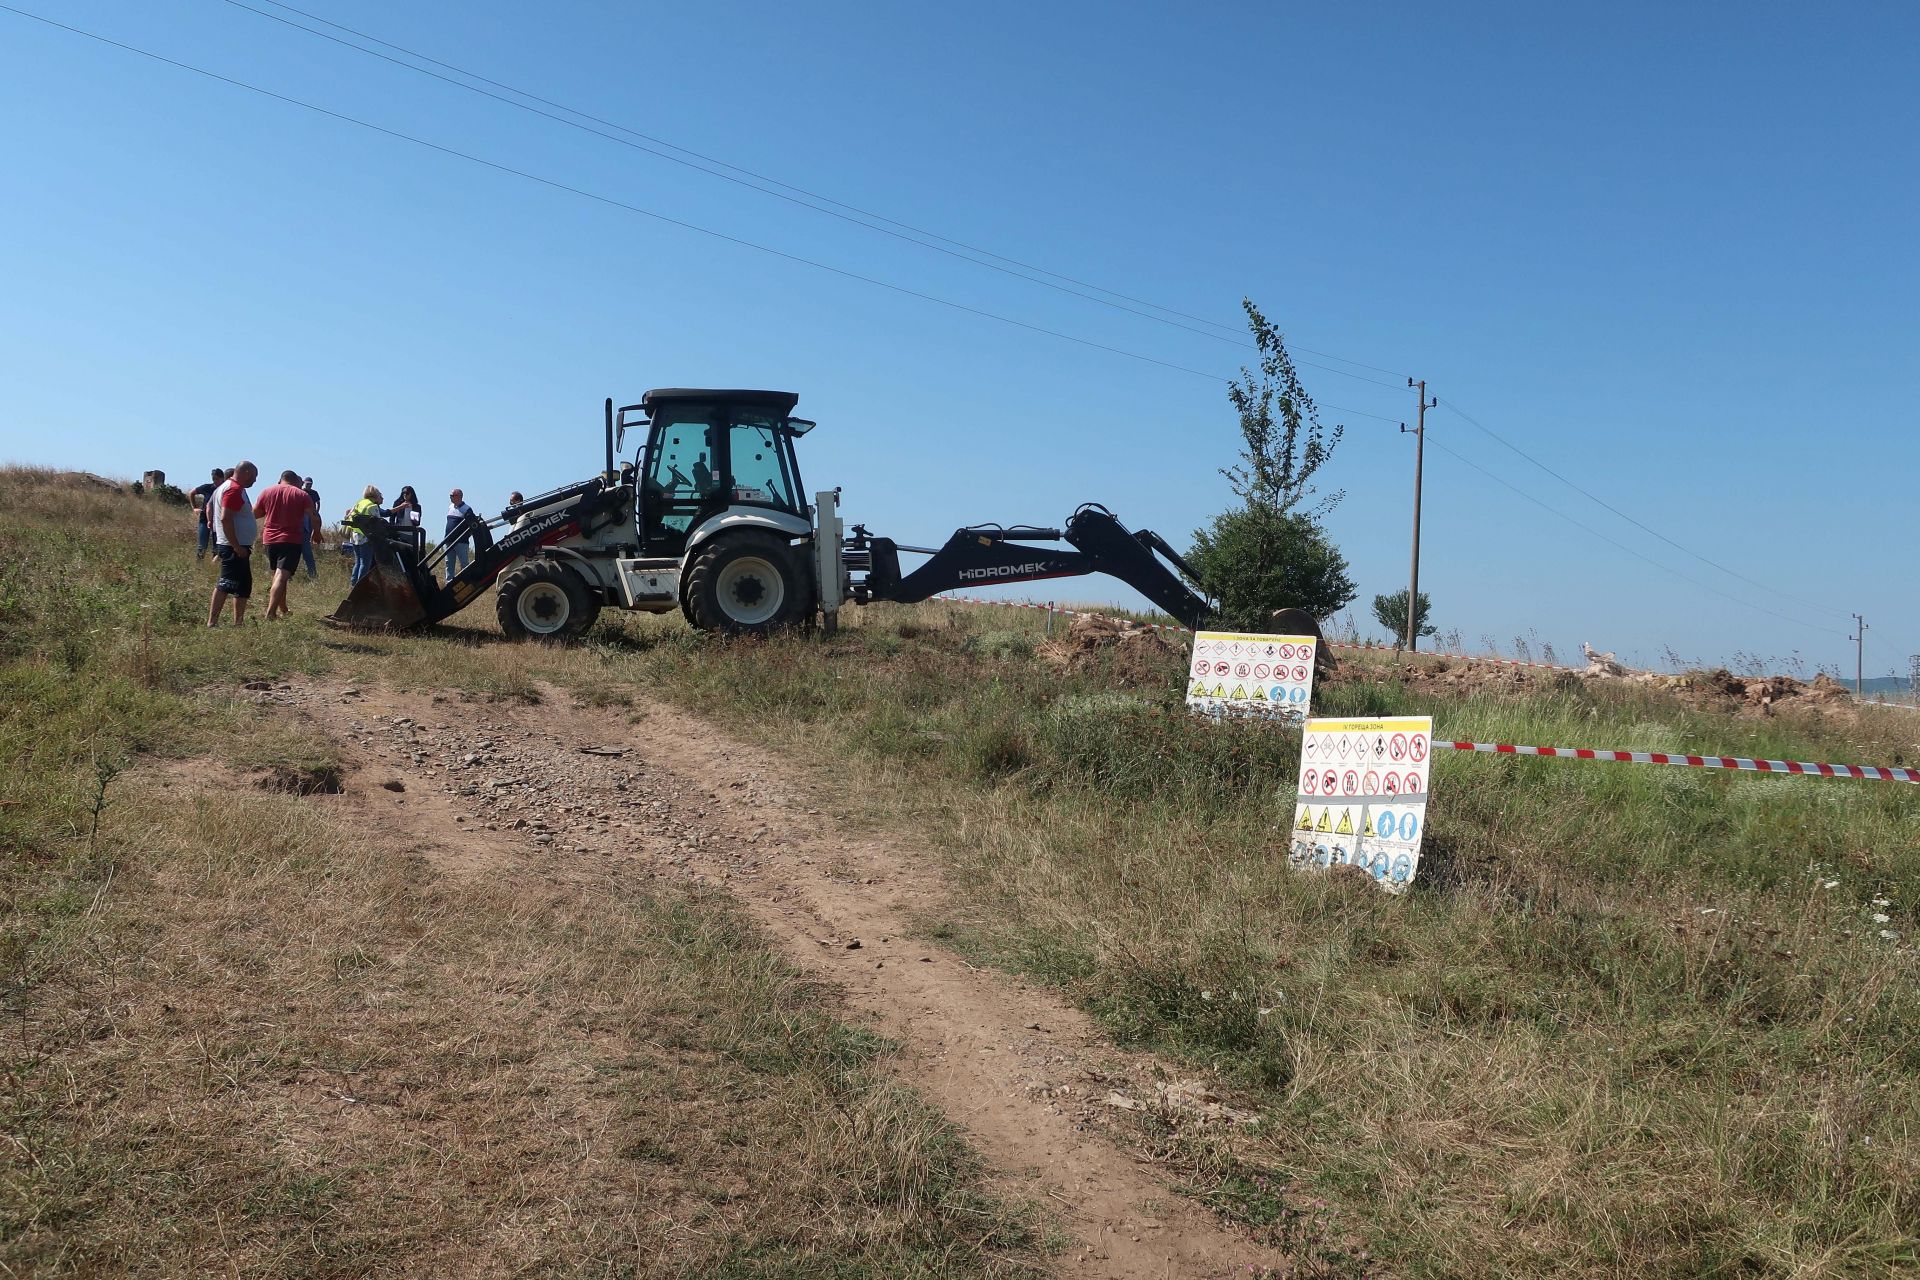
751	591
543	608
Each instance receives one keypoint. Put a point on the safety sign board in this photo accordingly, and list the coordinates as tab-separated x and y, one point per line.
1254	675
1368	807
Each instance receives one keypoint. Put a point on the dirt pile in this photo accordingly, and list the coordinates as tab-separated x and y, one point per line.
1709	690
1448	677
1133	653
1720	688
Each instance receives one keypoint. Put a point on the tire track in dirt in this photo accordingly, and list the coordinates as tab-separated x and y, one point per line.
566	796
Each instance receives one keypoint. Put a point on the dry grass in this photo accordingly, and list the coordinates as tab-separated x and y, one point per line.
1622	1027
237	1037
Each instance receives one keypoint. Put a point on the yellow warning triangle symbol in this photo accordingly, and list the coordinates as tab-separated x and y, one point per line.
1259	693
1369	831
1239	692
1219	691
1199	690
1306	819
1346	823
1326	821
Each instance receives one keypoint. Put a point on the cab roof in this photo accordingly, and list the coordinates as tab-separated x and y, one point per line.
780	403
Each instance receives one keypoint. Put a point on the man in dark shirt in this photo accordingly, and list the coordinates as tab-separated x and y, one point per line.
306	547
203	530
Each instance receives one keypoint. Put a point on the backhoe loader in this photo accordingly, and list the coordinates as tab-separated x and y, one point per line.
710	518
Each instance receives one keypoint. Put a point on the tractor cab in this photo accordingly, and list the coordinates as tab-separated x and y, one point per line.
713	460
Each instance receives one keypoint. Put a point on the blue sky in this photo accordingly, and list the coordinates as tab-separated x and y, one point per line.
1667	250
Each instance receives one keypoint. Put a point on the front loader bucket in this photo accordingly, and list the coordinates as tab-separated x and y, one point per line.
384	600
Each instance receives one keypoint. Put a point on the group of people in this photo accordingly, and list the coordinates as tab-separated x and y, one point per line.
405	512
285	521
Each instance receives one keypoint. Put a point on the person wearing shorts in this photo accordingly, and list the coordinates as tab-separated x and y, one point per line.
234	530
287	518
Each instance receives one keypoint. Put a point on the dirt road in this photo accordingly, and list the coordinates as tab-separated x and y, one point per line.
570	797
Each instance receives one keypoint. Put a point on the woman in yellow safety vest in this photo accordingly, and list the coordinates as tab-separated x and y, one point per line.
363	548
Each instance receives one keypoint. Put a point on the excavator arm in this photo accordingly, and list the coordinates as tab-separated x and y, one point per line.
987	555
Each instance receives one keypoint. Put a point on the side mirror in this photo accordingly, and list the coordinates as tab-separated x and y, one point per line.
632	415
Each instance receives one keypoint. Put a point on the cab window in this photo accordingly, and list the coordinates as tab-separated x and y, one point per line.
682	474
760	473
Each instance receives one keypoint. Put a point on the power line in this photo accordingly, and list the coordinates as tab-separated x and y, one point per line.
900	289
761	177
866	218
612	201
1594	497
1362	413
1455	454
702	168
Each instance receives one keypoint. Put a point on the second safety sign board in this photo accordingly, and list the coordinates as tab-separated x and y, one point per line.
1362	796
1235	674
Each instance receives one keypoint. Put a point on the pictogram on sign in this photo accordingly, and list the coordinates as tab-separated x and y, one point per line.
1248	678
1382	814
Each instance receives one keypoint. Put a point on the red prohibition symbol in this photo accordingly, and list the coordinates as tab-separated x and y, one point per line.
1351	782
1372	783
1413	783
1419	746
1261	670
1221	668
1392	785
1299	674
1310	782
1200	667
1328	782
1243	670
1398	748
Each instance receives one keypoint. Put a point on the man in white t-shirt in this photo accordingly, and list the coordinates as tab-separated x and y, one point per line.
235	530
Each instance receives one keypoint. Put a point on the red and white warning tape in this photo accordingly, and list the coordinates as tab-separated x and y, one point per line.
1876	773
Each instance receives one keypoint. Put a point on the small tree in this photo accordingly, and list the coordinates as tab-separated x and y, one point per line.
1271	552
1391	613
1285	442
1256	561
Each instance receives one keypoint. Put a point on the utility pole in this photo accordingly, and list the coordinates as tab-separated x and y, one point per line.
1859	638
1419	463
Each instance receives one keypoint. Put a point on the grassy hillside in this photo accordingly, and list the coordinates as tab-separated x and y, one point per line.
1633	1021
237	1037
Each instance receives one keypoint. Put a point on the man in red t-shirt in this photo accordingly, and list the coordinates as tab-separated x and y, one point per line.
284	510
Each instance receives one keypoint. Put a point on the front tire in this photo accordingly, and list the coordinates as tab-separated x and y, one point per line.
544	600
747	584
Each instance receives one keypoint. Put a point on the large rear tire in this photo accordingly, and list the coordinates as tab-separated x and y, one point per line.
747	584
544	600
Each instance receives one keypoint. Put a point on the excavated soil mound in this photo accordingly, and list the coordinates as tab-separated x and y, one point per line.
1711	690
1443	676
1133	653
1721	689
